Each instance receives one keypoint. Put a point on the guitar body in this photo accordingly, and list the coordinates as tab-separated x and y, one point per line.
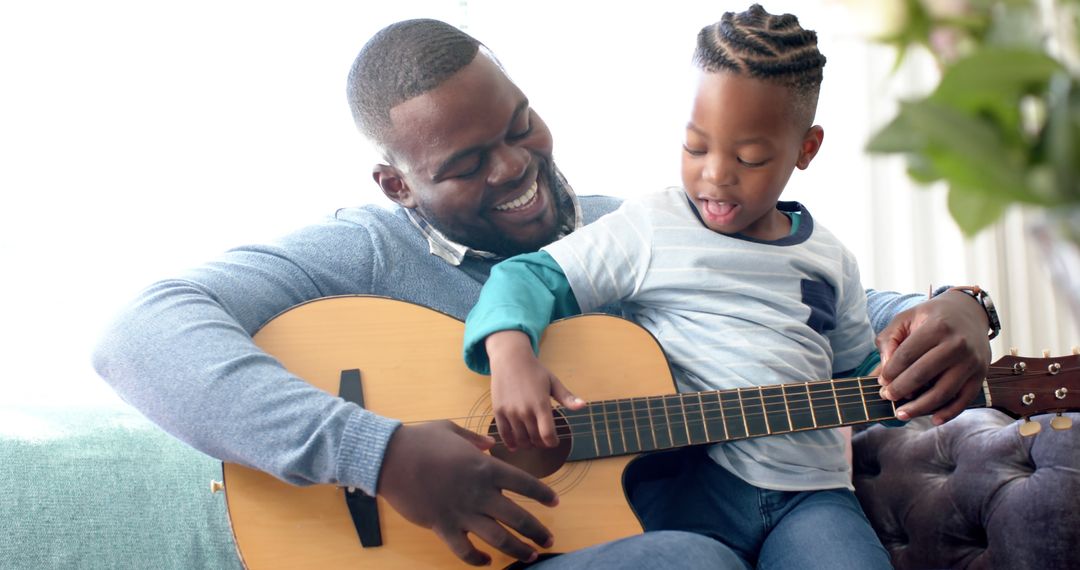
411	367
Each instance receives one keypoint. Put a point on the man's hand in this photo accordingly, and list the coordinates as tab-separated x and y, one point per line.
521	392
940	345
437	476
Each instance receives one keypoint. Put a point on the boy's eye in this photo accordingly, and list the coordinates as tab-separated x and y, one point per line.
693	151
752	163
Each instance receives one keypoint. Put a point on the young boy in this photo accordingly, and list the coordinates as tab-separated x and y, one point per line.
739	288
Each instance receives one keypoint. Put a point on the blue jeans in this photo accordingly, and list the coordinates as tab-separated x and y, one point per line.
660	550
686	490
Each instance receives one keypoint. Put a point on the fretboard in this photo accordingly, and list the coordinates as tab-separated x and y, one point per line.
635	425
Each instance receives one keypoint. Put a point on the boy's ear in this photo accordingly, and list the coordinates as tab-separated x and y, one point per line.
393	185
811	144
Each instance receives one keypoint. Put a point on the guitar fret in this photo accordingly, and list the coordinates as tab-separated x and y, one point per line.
823	403
764	411
667	420
592	424
800	407
836	402
813	416
633	417
853	409
862	396
704	420
652	426
622	429
742	411
686	419
723	415
787	408
607	429
880	408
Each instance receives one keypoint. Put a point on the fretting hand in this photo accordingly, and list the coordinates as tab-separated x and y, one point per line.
941	346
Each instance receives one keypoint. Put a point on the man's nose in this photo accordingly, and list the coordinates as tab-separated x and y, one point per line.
508	164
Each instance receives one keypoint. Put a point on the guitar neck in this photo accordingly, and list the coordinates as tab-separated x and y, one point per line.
635	425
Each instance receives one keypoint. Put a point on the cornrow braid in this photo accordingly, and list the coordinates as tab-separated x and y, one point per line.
758	44
403	60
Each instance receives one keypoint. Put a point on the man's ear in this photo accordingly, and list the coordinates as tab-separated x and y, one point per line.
393	185
811	144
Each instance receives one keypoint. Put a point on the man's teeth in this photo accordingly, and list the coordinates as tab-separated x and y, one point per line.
520	200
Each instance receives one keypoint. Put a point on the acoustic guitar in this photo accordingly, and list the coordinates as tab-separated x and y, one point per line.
404	361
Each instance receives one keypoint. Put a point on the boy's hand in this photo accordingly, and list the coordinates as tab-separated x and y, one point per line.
521	392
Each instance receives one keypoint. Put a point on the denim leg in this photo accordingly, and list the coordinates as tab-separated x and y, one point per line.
686	490
822	529
660	550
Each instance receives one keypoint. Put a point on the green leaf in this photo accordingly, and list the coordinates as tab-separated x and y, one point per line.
897	136
966	150
994	79
974	210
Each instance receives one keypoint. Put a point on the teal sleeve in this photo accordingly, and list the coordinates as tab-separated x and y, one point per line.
524	293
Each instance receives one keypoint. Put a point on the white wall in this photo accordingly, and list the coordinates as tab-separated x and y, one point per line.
137	138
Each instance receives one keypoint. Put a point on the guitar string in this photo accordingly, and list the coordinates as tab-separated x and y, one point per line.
605	416
750	397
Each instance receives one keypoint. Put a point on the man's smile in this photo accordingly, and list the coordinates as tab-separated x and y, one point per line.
521	201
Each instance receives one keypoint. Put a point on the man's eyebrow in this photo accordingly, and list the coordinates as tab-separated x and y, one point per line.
449	162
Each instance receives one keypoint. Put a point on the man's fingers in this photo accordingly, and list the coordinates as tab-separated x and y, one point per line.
963	398
912	369
462	547
521	521
481	441
517	481
941	392
496	535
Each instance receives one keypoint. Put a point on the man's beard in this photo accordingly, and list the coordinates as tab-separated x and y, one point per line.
500	244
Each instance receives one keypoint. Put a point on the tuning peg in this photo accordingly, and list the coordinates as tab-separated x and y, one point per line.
1014	351
1030	428
1061	422
1046	353
216	486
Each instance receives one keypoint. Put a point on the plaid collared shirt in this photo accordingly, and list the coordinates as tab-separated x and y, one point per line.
454	253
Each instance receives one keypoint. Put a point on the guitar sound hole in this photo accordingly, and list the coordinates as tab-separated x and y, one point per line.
535	461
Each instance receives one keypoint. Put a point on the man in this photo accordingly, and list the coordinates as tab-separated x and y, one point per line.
470	165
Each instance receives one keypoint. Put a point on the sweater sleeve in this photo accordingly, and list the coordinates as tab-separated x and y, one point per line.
182	354
523	293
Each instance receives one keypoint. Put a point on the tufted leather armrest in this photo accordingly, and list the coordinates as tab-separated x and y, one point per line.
972	493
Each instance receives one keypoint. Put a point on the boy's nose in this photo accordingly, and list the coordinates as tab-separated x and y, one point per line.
720	172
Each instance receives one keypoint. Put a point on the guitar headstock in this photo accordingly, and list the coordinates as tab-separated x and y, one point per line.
1023	386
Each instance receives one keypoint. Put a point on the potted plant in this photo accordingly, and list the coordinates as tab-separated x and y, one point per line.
1002	126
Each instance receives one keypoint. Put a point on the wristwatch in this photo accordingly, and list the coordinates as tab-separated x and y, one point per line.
980	295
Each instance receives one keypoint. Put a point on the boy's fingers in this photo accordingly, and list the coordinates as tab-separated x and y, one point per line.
506	432
564	396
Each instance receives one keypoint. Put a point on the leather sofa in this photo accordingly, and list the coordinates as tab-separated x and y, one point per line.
972	493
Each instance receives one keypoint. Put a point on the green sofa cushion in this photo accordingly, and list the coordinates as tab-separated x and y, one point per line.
105	488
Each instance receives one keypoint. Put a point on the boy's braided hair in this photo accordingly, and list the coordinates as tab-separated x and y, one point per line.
765	46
